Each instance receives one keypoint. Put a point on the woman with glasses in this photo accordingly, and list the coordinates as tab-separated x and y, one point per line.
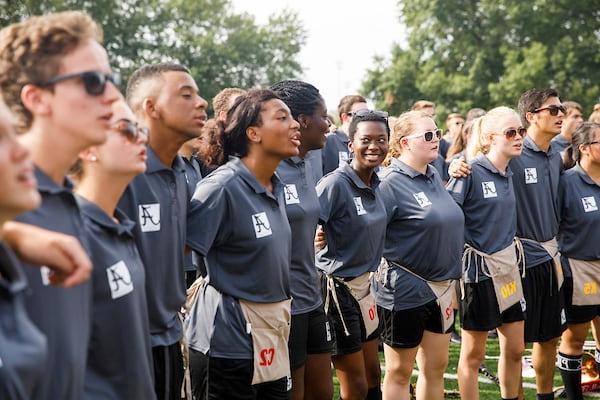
415	284
352	213
119	363
310	340
579	198
492	294
238	223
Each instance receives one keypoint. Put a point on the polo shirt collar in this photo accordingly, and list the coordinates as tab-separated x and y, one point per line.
251	180
356	181
583	175
487	164
47	185
530	144
13	280
410	171
153	163
96	214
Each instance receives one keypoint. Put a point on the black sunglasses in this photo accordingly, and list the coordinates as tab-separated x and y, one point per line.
553	109
130	130
93	81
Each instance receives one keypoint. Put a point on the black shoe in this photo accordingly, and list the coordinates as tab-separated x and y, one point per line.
455	338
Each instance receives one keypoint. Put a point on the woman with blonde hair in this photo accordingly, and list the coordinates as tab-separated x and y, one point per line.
415	286
492	293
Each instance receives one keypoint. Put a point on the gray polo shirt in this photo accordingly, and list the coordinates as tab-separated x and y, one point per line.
335	152
193	175
487	198
22	346
302	208
63	315
579	200
560	143
119	362
425	234
535	179
353	217
243	233
315	159
158	202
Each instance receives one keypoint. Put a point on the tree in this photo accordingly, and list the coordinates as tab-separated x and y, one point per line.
222	48
483	53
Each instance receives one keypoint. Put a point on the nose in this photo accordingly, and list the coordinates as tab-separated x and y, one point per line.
295	125
202	103
142	138
111	93
19	153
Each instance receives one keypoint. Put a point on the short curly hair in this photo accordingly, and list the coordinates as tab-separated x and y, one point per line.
31	52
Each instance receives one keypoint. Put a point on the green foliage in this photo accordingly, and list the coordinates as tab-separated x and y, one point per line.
483	53
222	48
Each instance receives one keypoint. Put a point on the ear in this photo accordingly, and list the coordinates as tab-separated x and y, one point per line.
584	149
149	107
89	154
304	121
404	143
530	117
36	100
253	134
350	147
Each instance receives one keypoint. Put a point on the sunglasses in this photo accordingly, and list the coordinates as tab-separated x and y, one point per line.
428	136
130	130
511	133
93	81
553	110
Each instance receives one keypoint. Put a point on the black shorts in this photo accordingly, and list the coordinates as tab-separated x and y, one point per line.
479	309
404	328
577	314
168	371
310	333
545	313
352	343
232	379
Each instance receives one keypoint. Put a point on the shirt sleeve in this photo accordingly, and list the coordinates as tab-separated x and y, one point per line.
459	189
330	201
207	214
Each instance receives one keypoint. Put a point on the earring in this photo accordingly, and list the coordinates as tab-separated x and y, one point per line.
93	158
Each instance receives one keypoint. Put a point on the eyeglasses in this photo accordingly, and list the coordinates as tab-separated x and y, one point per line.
511	133
428	136
130	130
93	81
593	142
553	109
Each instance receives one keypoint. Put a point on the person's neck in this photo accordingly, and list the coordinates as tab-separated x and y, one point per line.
49	153
262	167
498	160
365	174
104	190
591	168
415	164
540	138
186	152
165	143
344	128
302	150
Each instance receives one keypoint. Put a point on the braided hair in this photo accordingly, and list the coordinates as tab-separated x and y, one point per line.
300	97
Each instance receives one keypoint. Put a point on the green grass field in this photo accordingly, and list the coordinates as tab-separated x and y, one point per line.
488	391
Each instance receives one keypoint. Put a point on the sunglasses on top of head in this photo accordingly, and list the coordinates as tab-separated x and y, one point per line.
553	109
130	130
93	81
428	136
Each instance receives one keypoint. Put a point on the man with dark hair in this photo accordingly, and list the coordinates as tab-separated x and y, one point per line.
335	152
573	118
426	106
536	175
223	101
166	98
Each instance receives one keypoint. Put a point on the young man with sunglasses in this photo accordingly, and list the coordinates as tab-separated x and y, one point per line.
62	95
535	177
166	99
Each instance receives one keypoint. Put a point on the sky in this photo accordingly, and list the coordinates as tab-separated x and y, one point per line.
342	38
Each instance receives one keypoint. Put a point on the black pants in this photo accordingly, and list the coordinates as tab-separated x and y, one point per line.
232	379
198	374
168	371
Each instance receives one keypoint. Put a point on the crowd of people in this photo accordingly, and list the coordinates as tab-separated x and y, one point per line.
149	252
